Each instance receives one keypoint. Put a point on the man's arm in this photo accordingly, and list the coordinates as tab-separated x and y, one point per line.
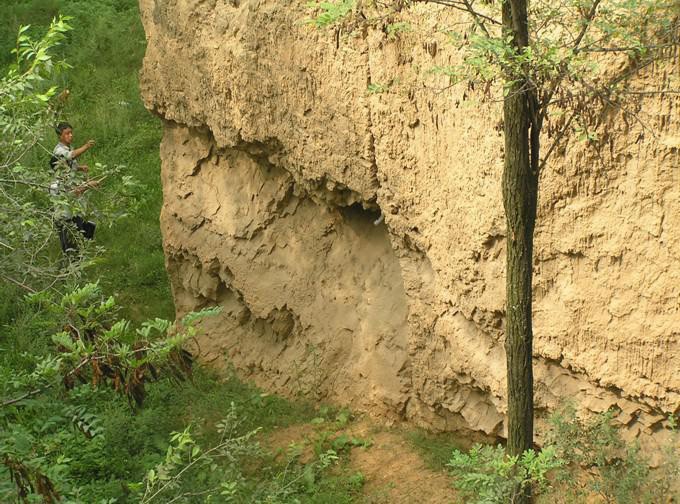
80	150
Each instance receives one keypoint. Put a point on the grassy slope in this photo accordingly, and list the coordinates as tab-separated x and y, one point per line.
105	104
106	48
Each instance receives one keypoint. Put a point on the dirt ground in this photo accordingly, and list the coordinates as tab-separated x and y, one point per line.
394	471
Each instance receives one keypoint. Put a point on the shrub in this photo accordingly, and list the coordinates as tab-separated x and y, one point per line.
582	458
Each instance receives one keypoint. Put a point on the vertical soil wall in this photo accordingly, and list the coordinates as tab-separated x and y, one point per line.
284	145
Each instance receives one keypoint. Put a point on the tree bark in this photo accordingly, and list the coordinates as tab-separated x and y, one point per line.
520	194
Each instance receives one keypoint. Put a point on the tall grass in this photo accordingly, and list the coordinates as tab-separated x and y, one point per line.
105	49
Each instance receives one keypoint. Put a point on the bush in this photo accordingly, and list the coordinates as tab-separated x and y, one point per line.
581	459
599	462
486	475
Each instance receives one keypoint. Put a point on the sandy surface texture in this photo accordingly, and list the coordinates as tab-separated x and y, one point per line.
356	237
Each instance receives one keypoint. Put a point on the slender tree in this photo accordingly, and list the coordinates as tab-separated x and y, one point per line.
520	195
547	56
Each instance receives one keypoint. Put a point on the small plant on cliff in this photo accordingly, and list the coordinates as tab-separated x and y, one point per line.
394	29
329	12
376	88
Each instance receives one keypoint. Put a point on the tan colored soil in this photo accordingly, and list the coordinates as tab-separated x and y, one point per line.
396	474
394	471
277	164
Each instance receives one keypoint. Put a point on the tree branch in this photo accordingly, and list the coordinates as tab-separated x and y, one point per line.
32	393
650	92
19	284
563	72
556	142
22	182
37	391
625	49
465	6
477	17
620	107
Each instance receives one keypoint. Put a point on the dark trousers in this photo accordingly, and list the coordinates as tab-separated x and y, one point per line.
67	229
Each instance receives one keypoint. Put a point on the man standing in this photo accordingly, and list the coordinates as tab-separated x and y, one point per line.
65	163
63	150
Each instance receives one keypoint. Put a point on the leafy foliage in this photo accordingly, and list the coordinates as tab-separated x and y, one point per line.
616	470
235	468
30	106
375	88
94	348
487	475
219	467
330	13
581	459
25	94
25	91
394	29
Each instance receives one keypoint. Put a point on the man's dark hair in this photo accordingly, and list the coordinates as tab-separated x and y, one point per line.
61	127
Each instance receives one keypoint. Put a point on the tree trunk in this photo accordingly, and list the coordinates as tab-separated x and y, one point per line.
520	192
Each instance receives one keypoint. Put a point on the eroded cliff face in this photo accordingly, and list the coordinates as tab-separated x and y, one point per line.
277	164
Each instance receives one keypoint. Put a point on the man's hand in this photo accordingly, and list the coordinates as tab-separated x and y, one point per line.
86	146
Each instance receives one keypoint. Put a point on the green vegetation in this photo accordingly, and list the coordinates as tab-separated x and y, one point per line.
486	474
52	398
330	13
618	471
394	29
96	409
98	402
581	459
377	88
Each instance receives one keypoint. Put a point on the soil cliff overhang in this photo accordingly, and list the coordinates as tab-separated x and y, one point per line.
342	203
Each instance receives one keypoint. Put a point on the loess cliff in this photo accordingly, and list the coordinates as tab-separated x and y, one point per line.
278	163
